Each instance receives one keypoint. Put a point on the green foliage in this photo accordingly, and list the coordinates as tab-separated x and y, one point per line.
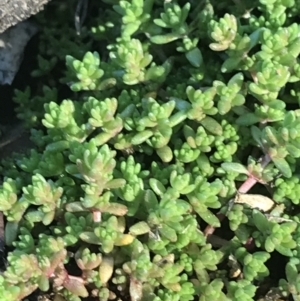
254	267
241	290
290	286
273	235
287	189
87	72
145	127
236	217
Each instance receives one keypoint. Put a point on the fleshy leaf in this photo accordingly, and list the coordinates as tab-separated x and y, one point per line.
283	166
212	125
235	167
76	287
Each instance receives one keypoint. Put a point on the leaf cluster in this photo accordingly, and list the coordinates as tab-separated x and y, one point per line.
171	108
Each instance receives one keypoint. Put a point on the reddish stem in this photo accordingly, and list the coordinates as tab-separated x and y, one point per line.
97	216
244	188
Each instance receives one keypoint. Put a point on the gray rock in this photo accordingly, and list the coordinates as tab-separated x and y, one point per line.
15	11
12	44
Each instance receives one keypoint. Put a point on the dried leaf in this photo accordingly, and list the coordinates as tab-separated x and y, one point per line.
136	290
235	267
257	201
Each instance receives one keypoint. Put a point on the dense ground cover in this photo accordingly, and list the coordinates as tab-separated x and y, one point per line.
164	162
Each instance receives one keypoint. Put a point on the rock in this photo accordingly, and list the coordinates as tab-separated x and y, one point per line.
12	44
15	11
